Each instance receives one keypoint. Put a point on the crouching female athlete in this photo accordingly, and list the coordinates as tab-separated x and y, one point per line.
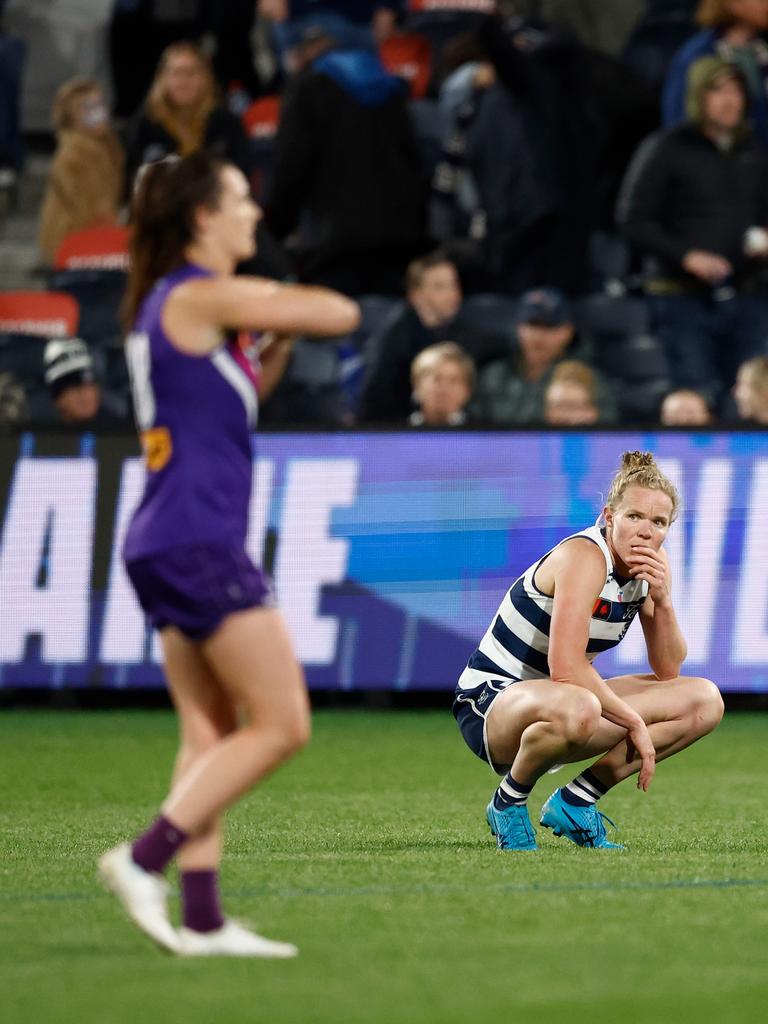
530	698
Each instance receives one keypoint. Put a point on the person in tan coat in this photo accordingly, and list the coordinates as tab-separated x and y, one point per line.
85	184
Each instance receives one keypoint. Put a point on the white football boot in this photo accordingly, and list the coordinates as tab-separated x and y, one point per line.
143	895
232	939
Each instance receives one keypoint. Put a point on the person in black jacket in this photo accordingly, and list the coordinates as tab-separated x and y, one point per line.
347	170
432	314
181	115
695	203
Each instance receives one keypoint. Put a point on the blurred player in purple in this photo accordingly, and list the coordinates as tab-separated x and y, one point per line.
231	670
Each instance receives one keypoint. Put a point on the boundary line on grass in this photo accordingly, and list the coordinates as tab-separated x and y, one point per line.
393	890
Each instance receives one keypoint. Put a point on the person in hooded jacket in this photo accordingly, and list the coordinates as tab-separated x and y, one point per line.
348	172
695	204
734	30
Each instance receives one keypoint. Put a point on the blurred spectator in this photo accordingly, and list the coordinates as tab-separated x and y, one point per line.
455	208
182	115
12	55
432	314
732	30
76	397
354	24
695	203
141	30
685	408
570	398
347	174
664	27
443	377
511	390
13	401
751	391
232	24
274	356
548	149
604	26
85	183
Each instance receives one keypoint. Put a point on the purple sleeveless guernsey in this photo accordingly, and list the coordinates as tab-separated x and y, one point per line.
195	414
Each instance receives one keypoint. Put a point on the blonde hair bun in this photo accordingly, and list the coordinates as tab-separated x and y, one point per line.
640	469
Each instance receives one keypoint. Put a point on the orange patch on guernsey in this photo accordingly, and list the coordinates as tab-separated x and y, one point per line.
157	447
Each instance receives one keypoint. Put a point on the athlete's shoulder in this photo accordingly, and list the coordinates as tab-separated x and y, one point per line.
585	552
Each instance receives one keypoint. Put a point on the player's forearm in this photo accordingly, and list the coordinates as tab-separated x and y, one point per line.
583	674
667	649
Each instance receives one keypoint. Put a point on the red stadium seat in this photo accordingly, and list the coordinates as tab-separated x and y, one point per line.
50	314
409	56
100	247
261	119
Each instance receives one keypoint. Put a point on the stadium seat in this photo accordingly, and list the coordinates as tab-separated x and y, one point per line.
262	117
22	355
354	352
260	122
49	314
375	312
492	314
610	257
638	357
99	294
637	367
100	247
430	127
640	402
605	317
409	56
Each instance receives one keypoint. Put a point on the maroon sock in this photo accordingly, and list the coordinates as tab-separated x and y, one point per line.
156	848
200	899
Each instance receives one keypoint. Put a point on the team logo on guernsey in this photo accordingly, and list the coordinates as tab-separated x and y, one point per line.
245	348
157	447
601	609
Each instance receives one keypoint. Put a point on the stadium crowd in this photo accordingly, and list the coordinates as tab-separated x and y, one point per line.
551	213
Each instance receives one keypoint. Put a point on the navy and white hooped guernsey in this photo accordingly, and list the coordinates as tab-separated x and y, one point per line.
516	644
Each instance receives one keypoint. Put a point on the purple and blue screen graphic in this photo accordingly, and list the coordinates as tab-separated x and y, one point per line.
390	552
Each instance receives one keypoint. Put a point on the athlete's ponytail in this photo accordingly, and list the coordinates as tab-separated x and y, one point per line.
639	469
165	198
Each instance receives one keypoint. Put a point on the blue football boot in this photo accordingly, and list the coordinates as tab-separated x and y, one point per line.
512	827
582	825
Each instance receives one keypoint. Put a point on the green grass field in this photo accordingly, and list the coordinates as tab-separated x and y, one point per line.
371	852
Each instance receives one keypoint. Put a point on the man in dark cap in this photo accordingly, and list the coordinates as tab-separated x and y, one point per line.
695	203
74	388
511	391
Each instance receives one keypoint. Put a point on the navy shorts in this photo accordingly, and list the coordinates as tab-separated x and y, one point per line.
470	709
195	587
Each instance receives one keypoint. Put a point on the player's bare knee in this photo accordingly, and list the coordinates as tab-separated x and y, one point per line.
287	738
706	705
300	732
578	716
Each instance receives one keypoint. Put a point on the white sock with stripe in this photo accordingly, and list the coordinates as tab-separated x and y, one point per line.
511	793
584	790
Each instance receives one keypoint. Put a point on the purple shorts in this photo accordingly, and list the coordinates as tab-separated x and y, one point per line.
195	587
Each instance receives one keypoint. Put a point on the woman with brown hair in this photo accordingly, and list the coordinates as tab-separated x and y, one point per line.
85	184
735	31
234	679
182	115
530	698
